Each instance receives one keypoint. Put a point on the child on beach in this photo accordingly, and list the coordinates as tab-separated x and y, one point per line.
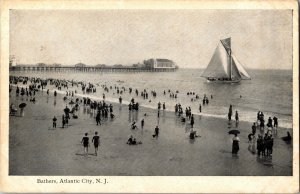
133	125
133	141
85	142
96	140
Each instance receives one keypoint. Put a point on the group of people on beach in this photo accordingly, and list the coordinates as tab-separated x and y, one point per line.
264	144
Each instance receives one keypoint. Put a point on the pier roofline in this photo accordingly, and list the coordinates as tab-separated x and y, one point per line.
84	68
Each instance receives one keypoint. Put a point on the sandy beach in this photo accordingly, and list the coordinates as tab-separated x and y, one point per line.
35	148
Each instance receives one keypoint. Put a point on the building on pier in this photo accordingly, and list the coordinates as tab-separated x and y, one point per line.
160	64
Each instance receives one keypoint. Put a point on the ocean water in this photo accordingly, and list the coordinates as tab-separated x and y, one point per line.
270	91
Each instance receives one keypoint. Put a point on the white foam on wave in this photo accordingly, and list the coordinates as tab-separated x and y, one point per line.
244	116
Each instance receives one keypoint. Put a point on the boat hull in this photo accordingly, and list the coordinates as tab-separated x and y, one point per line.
223	81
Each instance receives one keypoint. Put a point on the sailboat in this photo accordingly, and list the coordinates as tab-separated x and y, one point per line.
224	66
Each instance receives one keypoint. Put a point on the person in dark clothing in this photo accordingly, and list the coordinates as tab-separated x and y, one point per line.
254	128
275	119
85	142
235	144
200	108
264	145
236	116
142	123
96	141
112	116
98	118
262	124
229	117
192	120
270	122
156	132
54	121
259	145
129	141
133	125
250	137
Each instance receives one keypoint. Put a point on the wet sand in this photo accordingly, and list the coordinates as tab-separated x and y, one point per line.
36	149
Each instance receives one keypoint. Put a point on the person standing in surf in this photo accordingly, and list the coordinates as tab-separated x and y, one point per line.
96	141
230	113
236	118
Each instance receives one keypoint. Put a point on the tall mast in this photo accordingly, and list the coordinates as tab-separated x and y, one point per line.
230	63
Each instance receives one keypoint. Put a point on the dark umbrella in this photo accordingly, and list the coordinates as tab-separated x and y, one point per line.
22	105
234	131
66	110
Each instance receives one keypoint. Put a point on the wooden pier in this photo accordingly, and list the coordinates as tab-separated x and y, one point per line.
87	69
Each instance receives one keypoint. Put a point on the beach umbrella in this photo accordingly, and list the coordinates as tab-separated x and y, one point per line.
22	105
234	131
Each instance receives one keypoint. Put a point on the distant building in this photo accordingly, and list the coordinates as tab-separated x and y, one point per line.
118	66
41	64
160	64
80	66
56	65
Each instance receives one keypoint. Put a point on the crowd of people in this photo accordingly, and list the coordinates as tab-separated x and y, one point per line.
102	110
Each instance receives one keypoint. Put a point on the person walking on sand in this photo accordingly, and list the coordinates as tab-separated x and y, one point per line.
54	121
85	142
96	141
156	132
192	120
98	118
142	123
235	144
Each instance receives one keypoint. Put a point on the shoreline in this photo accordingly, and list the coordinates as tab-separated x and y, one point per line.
172	154
124	102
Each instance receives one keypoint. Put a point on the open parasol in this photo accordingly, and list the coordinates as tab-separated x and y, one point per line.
234	131
22	105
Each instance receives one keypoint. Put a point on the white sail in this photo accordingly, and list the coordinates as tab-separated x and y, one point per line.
235	74
218	65
241	69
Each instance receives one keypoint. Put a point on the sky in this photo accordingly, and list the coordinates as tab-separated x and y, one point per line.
261	39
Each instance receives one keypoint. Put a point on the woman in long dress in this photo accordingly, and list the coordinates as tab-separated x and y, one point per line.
235	144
